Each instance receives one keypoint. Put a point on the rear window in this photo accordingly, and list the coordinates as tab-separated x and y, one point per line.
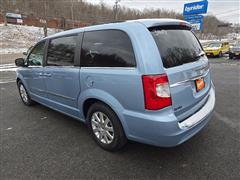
177	45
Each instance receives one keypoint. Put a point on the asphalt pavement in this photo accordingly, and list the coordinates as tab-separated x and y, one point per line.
40	143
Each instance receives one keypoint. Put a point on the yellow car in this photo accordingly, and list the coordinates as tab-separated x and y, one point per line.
217	49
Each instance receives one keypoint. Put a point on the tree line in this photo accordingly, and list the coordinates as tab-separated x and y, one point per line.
101	13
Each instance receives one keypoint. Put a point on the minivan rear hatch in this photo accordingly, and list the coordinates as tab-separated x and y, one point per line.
186	67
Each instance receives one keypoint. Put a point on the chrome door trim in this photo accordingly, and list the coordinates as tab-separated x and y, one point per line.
110	68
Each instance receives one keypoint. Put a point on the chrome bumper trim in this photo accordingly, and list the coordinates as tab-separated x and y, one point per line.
201	114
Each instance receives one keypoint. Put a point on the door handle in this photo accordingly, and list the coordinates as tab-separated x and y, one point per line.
47	74
39	74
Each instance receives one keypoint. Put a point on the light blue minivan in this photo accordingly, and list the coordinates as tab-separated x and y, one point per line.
144	80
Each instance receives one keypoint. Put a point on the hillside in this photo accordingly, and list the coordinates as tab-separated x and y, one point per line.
17	38
96	14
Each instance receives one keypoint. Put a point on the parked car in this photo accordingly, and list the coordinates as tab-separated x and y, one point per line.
142	80
235	51
217	48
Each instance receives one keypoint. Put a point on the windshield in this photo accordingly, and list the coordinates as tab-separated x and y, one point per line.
237	45
177	45
214	45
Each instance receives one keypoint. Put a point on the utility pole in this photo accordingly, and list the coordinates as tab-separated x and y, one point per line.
45	16
4	11
115	7
72	16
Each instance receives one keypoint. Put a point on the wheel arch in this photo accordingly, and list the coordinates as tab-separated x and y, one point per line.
89	102
20	78
91	96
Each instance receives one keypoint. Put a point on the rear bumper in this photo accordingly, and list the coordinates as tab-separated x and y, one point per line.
212	53
200	114
163	129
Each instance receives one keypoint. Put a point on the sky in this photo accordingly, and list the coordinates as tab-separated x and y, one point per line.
226	10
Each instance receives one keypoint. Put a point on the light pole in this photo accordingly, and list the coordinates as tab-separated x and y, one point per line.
45	16
115	7
72	15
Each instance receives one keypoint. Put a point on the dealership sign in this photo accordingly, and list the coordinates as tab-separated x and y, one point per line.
199	7
189	18
192	13
196	21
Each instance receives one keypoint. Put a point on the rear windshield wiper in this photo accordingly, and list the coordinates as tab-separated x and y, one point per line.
201	54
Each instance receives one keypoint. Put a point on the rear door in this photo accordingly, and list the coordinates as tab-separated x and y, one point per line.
186	67
62	73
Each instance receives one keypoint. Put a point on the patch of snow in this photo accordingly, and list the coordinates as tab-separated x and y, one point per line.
12	50
18	38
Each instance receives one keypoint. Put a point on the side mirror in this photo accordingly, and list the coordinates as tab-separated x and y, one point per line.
19	62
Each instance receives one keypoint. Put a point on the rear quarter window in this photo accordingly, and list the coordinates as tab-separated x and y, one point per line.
177	45
107	48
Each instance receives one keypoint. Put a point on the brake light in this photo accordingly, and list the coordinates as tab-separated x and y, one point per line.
156	91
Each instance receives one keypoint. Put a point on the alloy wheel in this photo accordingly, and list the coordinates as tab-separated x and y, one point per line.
23	93
102	127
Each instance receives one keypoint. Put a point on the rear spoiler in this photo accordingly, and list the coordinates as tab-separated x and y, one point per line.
149	23
179	26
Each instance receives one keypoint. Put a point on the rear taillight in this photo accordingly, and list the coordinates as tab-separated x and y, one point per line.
156	91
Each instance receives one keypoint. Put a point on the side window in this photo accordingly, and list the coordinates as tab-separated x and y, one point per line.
36	56
107	48
61	51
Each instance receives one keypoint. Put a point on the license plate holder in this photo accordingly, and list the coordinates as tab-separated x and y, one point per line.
200	84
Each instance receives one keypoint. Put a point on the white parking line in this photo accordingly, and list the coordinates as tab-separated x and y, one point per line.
7	65
6	82
8	69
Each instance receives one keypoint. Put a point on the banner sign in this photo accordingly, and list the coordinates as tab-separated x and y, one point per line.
196	21
188	18
199	7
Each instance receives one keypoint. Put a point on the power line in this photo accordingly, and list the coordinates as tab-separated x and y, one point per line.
229	15
227	12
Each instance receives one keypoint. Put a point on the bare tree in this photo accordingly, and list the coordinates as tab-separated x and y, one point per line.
77	10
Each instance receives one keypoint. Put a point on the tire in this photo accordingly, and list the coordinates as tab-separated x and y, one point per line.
220	54
230	56
108	133
26	99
